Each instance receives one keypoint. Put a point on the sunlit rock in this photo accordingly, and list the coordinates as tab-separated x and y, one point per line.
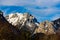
46	28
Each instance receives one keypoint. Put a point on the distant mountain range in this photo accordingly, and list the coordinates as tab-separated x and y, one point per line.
26	27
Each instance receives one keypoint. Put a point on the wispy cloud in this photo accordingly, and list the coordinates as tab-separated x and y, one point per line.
41	3
55	17
42	9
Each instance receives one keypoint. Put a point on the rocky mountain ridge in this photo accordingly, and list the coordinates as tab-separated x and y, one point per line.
24	26
20	20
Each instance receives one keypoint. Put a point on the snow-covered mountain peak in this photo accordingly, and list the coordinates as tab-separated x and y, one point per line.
20	20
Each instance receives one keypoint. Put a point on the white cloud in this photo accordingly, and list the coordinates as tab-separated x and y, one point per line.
46	2
43	12
29	2
55	17
15	2
46	7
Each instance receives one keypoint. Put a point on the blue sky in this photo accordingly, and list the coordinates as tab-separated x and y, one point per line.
41	9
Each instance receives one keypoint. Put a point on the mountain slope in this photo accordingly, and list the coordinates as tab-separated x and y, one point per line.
7	30
24	26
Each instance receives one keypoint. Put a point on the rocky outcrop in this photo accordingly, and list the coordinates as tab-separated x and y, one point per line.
46	28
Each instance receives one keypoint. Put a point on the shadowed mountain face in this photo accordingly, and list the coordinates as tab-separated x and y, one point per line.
56	23
25	27
10	32
42	36
7	31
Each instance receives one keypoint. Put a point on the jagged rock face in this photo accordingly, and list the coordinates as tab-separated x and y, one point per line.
1	13
46	28
56	23
23	20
